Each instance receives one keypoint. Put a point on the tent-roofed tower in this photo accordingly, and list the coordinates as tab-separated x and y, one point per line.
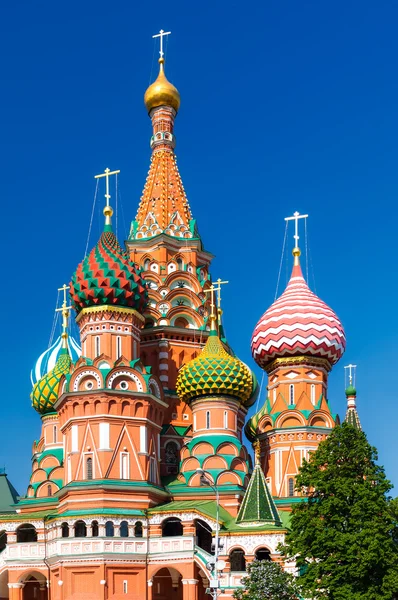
351	416
164	241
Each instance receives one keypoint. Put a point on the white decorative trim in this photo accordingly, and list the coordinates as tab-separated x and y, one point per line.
85	374
132	376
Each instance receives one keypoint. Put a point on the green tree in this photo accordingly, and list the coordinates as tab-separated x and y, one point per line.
342	535
266	580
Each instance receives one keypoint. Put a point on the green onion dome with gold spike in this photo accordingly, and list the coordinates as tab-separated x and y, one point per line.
216	373
45	391
107	276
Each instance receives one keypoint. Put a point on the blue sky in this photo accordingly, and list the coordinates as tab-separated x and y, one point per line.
285	106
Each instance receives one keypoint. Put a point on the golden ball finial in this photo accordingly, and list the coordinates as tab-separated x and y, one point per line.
296	252
161	92
108	211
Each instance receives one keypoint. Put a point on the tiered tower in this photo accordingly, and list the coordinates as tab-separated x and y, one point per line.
165	243
297	341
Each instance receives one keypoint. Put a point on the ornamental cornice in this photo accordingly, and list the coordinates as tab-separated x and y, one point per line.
109	309
183	516
251	542
287	361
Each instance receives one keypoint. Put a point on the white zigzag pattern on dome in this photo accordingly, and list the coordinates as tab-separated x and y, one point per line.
311	315
304	340
302	326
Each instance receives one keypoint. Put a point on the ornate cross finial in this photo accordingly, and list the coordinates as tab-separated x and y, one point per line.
215	288
65	315
351	373
161	35
296	216
257	452
108	212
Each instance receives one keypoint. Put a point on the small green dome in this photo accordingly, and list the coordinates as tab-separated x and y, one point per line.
350	391
215	373
45	391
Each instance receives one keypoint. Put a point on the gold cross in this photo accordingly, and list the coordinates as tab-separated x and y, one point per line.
215	288
65	314
106	174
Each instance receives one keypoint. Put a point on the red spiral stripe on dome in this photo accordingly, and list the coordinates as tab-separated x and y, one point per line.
298	323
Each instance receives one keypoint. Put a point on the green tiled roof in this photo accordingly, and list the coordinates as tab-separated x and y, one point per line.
8	493
352	418
258	505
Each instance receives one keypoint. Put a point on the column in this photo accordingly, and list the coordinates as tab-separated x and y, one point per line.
15	590
150	589
164	363
189	589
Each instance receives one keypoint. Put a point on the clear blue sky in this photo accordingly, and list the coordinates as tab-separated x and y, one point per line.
285	106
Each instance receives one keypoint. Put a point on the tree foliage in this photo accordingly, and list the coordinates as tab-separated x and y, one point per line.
342	537
266	580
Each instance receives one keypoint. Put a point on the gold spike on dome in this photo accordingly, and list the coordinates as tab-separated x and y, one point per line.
216	373
161	92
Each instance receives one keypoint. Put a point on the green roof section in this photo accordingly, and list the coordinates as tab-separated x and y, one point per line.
258	505
352	418
8	493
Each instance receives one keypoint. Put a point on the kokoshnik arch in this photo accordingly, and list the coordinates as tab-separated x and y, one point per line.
149	394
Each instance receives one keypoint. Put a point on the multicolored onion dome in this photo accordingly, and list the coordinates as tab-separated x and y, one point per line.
49	357
298	323
216	373
107	277
45	391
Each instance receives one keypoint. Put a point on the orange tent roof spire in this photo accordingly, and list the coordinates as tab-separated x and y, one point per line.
164	207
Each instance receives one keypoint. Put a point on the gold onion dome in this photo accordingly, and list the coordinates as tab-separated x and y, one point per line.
161	92
45	392
216	373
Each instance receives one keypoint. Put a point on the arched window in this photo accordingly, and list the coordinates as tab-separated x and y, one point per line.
124	529
94	529
172	527
313	393
291	394
55	434
203	535
109	529
118	347
181	322
49	492
180	264
146	264
207	419
124	465
225	419
138	529
26	533
263	554
291	486
80	529
237	560
65	530
89	468
97	345
3	540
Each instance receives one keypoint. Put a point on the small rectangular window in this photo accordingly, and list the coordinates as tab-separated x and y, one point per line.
143	438
118	347
124	465
55	434
225	419
125	587
97	345
104	436
208	419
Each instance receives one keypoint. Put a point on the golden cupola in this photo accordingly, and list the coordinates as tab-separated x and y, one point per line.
161	92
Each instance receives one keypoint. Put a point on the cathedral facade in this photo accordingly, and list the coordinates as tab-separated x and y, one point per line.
142	485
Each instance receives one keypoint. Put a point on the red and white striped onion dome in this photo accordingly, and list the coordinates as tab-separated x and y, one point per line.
298	323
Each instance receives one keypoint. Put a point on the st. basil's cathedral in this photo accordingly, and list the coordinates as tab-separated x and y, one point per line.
142	485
